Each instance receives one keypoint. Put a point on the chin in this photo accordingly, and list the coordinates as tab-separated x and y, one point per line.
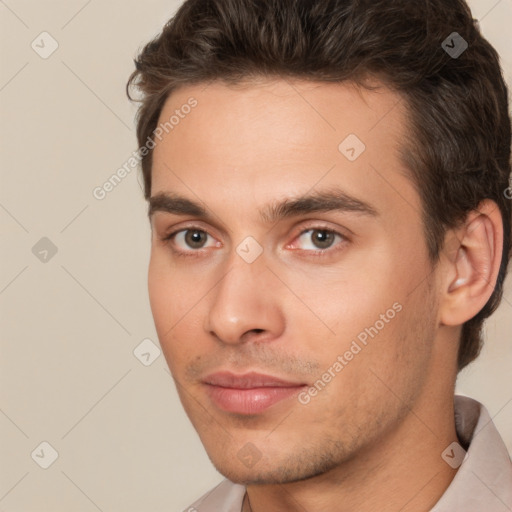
298	467
261	476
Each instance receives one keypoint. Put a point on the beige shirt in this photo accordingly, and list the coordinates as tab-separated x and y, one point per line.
483	482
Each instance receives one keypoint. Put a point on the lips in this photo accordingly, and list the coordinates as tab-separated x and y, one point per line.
251	393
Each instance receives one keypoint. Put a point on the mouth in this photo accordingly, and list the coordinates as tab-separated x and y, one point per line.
251	393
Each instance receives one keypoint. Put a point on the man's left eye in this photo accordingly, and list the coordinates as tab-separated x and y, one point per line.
319	239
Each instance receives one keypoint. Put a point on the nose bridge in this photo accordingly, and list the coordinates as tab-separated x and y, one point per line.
242	300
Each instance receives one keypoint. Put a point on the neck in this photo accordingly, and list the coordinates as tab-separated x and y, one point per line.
403	471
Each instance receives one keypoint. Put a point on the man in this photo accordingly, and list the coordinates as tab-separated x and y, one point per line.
330	227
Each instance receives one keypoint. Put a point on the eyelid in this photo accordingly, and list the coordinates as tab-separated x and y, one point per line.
190	225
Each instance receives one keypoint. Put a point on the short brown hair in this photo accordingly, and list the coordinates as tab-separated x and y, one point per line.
459	149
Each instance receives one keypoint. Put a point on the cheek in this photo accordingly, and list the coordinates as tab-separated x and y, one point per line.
164	305
339	304
379	379
159	298
376	325
171	291
175	300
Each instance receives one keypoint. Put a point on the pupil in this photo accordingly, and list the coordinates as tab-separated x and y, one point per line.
194	238
323	239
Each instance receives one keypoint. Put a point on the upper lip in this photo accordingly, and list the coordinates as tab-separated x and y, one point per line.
247	381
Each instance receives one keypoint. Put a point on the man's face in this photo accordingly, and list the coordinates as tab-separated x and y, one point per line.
297	337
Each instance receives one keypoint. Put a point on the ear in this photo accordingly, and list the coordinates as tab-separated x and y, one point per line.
472	258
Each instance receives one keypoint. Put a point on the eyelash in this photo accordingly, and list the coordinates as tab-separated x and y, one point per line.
194	253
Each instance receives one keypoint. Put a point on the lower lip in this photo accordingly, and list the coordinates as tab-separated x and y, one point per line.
249	401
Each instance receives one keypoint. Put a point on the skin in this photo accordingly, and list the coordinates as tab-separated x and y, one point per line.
372	438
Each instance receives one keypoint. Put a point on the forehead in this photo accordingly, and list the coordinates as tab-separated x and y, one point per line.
253	142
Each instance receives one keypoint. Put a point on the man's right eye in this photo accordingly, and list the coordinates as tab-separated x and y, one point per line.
189	240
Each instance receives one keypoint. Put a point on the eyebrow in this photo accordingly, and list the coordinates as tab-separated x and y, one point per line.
319	201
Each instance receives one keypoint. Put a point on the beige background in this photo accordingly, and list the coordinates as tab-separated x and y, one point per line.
69	325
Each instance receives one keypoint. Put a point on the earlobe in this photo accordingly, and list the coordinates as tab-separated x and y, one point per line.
473	271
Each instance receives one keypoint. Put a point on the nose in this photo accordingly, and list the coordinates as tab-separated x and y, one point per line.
245	304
